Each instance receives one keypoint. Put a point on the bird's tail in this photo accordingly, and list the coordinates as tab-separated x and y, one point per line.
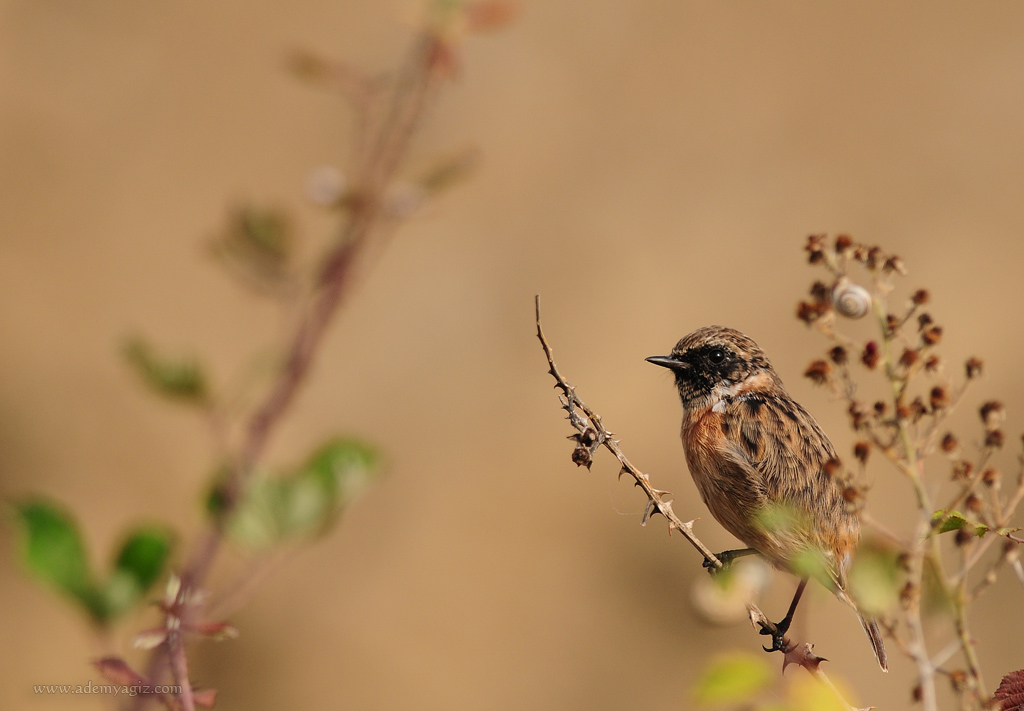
870	629
875	636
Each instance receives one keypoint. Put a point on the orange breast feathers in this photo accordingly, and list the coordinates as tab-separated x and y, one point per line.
734	494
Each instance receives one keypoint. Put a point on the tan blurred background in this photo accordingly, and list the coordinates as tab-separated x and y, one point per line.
649	167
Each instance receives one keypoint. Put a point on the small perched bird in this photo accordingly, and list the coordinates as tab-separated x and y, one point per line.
759	462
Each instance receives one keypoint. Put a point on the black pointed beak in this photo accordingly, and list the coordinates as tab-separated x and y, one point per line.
670	362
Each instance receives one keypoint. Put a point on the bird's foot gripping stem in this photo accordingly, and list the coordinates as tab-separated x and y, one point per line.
778	634
726	558
778	631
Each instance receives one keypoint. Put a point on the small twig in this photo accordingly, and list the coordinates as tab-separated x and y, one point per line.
179	669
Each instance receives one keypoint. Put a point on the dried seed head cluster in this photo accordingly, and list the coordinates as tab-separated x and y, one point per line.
907	427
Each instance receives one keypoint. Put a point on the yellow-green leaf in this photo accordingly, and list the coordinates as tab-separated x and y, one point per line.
732	679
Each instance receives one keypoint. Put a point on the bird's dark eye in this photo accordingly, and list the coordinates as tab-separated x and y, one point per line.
716	356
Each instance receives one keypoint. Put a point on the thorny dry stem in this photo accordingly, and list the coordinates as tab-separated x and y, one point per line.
592	435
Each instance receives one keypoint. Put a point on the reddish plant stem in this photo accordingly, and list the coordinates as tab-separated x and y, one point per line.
179	669
412	96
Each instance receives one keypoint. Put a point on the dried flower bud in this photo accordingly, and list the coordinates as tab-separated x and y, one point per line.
861	450
815	248
932	335
858	417
818	372
994	439
851	494
588	437
581	456
891	322
870	357
990	476
909	594
908	358
963	537
832	467
860	253
962	470
903	412
815	243
838	355
820	292
924	320
843	243
917	409
895	264
992	414
810	312
939	398
876	257
949	443
932	364
958	678
920	297
880	408
973	503
916	694
973	368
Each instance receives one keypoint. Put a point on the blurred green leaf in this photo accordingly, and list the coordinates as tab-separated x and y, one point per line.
308	500
812	563
732	679
779	518
257	248
954	520
874	579
53	550
267	231
343	467
450	170
808	694
179	379
138	566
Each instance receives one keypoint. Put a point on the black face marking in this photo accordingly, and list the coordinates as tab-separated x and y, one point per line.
714	357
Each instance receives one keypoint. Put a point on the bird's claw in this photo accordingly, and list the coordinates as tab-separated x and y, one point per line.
778	635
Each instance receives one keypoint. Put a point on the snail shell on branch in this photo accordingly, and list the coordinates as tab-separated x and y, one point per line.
850	300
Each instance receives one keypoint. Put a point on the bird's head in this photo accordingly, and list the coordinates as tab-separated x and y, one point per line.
716	361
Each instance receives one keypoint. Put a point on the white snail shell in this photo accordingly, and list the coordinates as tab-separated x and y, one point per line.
851	300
